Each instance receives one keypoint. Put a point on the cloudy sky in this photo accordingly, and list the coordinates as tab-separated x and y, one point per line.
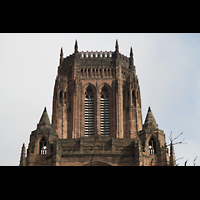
167	65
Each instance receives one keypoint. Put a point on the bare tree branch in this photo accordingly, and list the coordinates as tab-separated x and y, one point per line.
181	142
178	159
195	160
170	137
186	162
177	136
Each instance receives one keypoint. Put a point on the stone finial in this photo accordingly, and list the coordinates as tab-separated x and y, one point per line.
116	46
76	47
61	56
61	52
23	156
131	57
131	52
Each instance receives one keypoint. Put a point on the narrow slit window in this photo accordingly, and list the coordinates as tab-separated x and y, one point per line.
61	96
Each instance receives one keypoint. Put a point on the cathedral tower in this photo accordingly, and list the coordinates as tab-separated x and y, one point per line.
97	117
97	93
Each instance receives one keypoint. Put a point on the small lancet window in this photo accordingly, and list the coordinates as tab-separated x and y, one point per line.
152	146
43	147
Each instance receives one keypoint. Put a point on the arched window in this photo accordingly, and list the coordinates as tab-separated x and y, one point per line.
152	146
43	147
89	112
105	112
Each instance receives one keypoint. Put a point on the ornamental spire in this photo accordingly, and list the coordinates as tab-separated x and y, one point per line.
76	47
61	56
117	46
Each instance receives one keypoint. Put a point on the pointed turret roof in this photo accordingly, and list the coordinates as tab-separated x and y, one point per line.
76	46
23	156
131	52
150	121
116	46
131	57
61	52
44	117
44	120
61	56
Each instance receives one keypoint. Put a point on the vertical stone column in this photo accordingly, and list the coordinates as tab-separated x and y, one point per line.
120	104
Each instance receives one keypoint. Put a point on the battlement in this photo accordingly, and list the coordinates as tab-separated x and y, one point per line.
101	54
98	55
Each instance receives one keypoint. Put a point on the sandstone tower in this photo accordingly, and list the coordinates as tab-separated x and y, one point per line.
97	116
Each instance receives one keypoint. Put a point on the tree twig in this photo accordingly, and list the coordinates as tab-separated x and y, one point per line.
195	160
186	162
177	136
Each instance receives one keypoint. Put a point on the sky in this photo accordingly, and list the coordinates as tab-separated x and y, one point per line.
167	66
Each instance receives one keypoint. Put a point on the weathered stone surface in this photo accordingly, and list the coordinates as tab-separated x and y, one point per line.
97	93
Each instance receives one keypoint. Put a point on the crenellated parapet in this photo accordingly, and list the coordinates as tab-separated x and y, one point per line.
101	54
96	54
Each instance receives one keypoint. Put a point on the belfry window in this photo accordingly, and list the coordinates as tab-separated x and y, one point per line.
105	113
89	112
43	147
152	146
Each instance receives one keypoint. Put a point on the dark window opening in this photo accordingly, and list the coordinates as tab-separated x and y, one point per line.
89	112
133	98
43	147
61	95
152	146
